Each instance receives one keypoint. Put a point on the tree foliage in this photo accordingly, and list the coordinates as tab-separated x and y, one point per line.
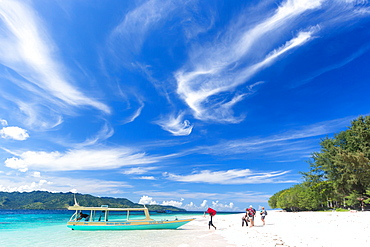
339	174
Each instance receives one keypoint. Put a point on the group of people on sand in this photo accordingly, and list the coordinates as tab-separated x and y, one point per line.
250	214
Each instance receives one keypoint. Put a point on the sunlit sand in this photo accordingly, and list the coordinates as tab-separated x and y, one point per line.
297	229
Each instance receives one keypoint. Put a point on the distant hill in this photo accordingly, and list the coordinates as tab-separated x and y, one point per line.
48	200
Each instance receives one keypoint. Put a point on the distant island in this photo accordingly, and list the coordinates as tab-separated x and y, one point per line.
56	201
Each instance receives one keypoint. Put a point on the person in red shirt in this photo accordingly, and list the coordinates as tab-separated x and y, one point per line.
251	214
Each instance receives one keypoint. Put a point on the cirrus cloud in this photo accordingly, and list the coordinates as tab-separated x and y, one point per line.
176	125
208	82
234	176
26	182
79	159
27	48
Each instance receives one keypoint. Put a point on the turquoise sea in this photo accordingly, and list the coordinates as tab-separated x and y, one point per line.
48	228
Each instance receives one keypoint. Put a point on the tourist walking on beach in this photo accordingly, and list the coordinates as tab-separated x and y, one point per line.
211	213
251	214
263	214
245	218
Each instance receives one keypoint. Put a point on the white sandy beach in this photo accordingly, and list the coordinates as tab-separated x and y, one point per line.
291	229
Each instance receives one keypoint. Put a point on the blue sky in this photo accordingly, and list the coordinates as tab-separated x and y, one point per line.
184	103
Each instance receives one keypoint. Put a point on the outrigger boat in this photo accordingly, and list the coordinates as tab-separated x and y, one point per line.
105	218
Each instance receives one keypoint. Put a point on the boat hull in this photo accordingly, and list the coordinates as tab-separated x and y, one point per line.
126	225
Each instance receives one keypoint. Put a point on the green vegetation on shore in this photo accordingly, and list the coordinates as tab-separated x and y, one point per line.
48	200
339	175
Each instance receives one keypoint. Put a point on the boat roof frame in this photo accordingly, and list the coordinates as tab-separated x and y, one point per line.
106	208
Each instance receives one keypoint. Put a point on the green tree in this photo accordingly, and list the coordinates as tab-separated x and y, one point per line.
339	174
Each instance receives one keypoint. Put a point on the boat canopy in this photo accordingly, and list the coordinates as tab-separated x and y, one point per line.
105	208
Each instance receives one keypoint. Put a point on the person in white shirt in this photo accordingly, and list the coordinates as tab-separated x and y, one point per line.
263	214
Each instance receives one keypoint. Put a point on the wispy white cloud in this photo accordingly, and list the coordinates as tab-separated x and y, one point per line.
195	23
135	114
34	181
137	170
284	141
208	81
176	125
137	23
104	133
127	93
146	178
169	195
27	49
37	116
150	16
79	159
335	66
234	176
3	122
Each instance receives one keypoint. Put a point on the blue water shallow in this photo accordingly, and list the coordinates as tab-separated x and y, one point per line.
34	228
23	219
